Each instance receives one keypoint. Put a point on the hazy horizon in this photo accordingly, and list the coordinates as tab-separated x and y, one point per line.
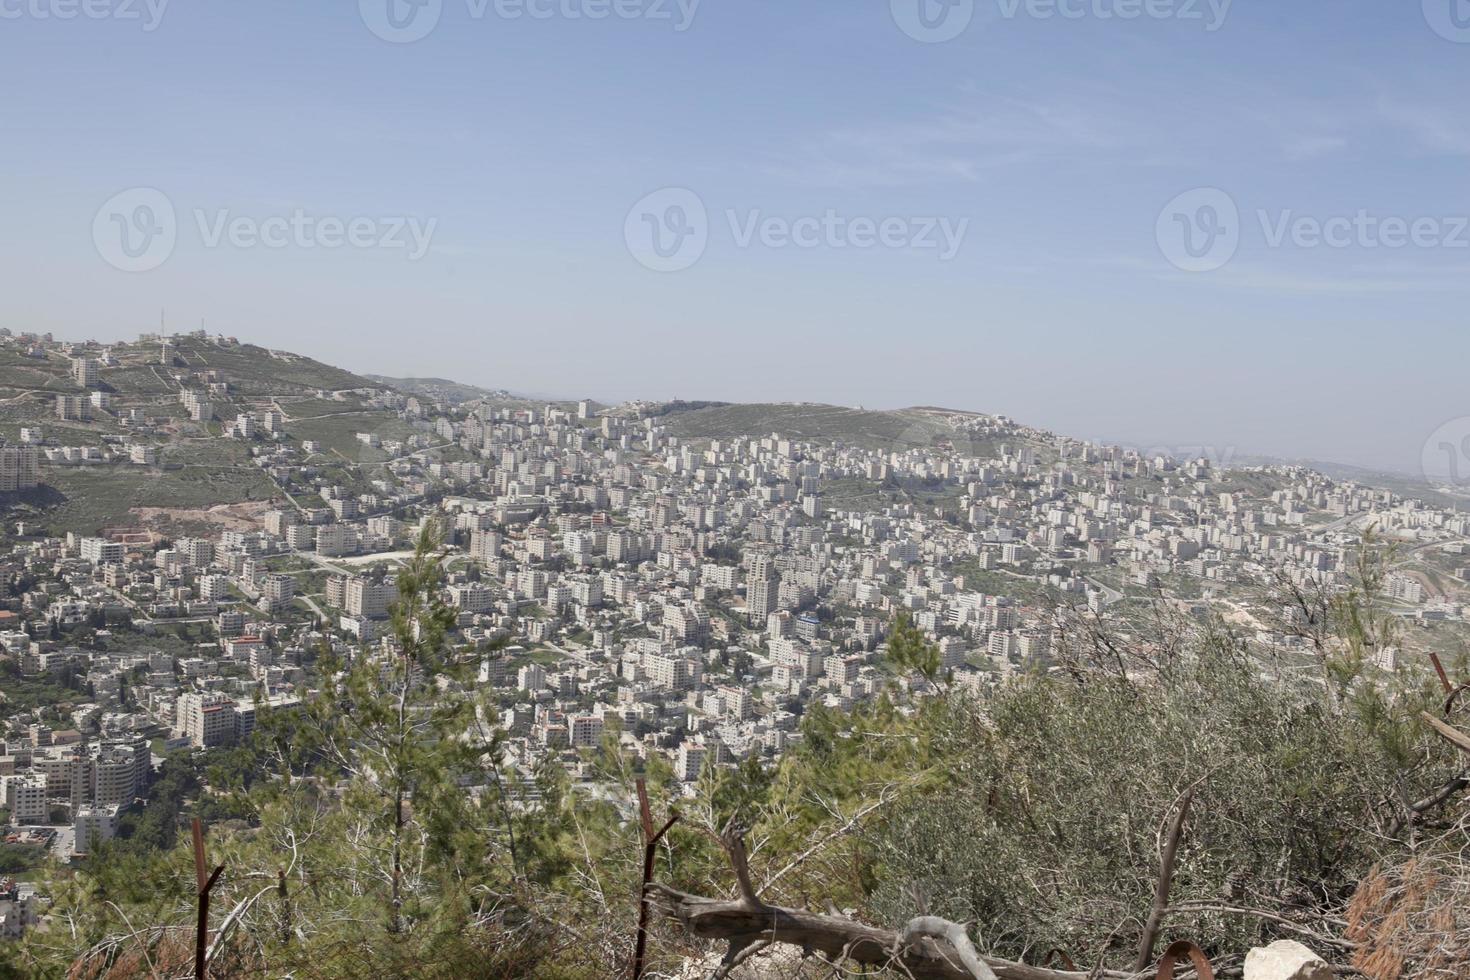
1189	226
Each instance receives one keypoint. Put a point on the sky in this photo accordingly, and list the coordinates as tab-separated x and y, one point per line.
1239	226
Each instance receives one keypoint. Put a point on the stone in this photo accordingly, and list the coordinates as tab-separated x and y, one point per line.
1285	959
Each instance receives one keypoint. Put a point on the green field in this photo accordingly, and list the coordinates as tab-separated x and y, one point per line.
255	371
89	498
812	423
338	433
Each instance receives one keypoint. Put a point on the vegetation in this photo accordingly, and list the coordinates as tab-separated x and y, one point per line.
1035	812
812	423
20	858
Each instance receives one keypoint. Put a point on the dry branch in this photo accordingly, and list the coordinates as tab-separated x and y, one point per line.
1450	734
1166	879
834	936
952	933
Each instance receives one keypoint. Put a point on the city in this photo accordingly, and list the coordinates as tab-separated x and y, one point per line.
697	490
621	570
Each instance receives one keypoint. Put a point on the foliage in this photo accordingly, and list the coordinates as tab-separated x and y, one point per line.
20	858
1046	835
909	651
1032	809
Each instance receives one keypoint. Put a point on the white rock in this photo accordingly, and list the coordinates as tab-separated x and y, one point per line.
1285	959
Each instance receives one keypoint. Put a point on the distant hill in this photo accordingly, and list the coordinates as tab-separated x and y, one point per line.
442	389
908	428
1408	484
197	471
250	370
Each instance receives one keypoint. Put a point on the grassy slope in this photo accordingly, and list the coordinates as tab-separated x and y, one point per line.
810	423
197	471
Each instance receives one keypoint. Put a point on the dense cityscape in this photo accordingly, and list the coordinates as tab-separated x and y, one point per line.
613	570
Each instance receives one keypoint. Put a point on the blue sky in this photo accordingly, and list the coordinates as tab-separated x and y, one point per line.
1058	143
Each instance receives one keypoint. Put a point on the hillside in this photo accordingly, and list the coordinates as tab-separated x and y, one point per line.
896	430
251	370
89	481
440	389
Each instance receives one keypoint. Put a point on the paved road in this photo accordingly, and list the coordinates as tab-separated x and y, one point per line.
66	839
1110	594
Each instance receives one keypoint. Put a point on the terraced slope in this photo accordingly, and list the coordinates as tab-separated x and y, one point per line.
830	424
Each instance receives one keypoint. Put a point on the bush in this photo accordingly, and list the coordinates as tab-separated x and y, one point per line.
1047	830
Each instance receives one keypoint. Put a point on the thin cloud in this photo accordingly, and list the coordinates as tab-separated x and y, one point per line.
1436	130
960	145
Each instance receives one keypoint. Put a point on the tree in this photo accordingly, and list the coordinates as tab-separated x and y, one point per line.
910	651
401	730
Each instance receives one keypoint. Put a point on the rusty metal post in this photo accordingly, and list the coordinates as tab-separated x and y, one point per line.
650	850
204	884
1444	679
1058	956
1180	951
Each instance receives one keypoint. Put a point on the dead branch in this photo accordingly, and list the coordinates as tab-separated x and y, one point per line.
883	800
835	936
1450	734
954	934
1166	880
733	840
927	949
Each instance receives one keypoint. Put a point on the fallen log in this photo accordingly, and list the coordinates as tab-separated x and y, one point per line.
837	938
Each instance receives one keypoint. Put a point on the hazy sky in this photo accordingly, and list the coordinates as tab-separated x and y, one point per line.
1051	150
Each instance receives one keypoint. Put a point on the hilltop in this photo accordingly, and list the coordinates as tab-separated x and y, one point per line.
832	424
91	481
442	389
189	476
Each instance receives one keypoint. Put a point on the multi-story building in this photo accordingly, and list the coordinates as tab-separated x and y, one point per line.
367	598
336	539
761	589
25	797
20	468
531	677
85	372
100	551
278	588
207	719
300	537
689	761
485	545
671	671
475	597
584	731
93	825
73	408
